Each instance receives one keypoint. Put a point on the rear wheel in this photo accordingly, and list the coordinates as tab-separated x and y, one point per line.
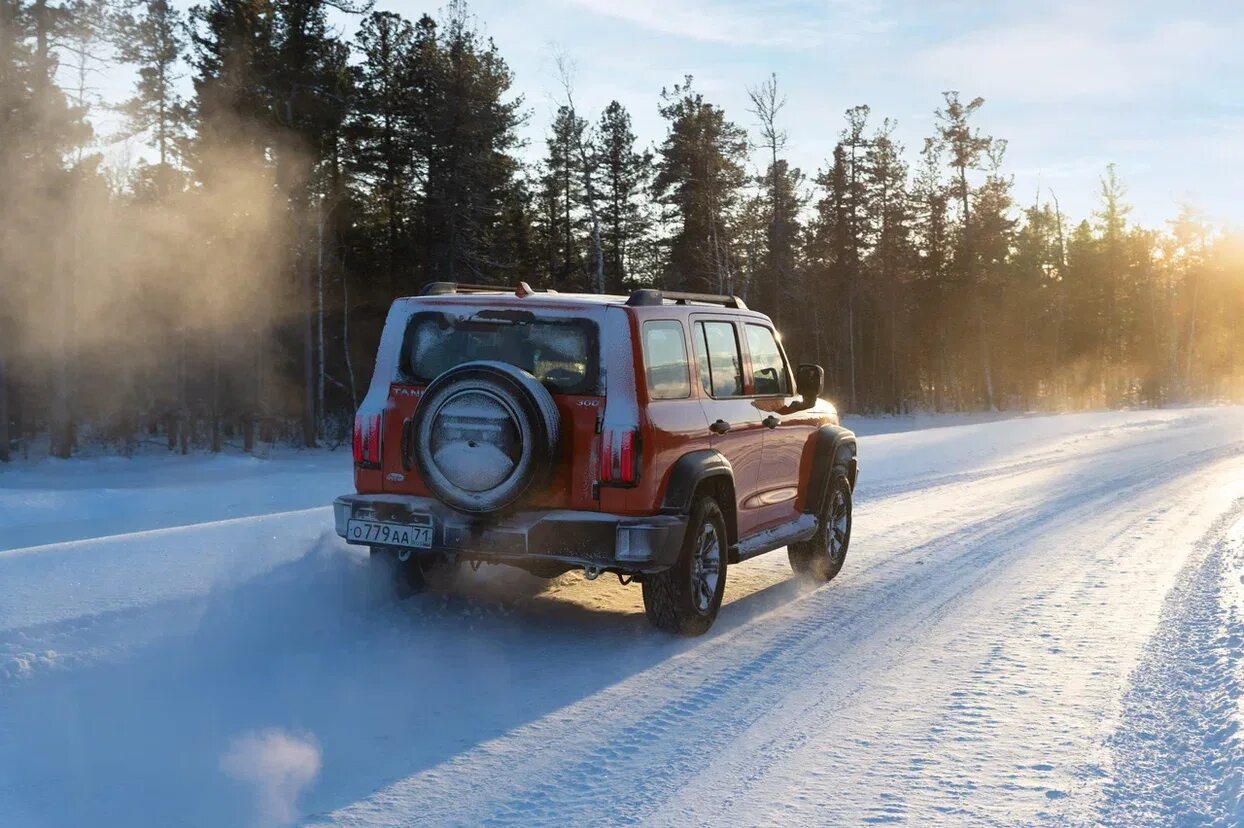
685	598
821	556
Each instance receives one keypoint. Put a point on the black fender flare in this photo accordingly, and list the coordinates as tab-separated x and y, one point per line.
834	449
686	475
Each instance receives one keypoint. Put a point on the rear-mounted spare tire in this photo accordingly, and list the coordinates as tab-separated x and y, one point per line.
485	434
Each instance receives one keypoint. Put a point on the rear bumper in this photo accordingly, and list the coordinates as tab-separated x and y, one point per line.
559	536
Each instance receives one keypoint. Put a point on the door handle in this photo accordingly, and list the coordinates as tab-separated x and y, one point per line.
772	421
719	427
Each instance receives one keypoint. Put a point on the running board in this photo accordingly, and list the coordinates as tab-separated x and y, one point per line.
799	529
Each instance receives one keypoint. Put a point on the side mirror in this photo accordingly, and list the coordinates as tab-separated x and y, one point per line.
810	382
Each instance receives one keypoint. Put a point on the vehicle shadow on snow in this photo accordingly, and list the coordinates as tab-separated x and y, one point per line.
321	647
604	609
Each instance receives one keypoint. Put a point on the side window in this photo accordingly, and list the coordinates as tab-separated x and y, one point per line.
769	374
724	377
665	360
701	358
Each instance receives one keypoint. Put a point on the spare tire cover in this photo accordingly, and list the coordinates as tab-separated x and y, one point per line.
484	435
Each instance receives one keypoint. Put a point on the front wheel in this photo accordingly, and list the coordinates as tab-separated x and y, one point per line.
821	556
685	598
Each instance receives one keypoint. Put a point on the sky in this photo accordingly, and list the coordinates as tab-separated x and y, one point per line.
1155	87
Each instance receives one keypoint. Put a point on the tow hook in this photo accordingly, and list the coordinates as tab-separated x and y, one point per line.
404	553
592	572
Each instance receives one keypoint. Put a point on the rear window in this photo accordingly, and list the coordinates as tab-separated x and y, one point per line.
665	358
560	353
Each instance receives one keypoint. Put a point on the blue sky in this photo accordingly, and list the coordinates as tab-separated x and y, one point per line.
1156	87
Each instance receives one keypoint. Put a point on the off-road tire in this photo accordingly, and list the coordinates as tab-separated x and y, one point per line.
821	557
670	597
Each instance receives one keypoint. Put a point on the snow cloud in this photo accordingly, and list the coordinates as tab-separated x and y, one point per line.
278	766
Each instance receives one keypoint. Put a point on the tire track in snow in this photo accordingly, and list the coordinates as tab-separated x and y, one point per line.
629	773
955	755
814	712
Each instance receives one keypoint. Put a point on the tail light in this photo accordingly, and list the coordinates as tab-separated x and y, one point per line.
619	456
367	440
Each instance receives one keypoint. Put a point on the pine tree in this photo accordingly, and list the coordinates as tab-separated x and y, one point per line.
564	198
885	175
232	112
1112	228
18	114
381	134
781	204
699	180
305	76
967	149
153	42
47	131
1031	305
839	240
625	175
582	146
1191	234
234	43
777	269
825	255
463	142
993	235
934	313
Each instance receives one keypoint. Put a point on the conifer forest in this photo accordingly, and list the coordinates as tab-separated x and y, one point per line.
226	285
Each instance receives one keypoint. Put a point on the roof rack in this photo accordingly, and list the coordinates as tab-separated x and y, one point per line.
651	296
445	288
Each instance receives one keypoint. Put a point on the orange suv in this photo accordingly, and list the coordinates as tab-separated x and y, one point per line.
659	436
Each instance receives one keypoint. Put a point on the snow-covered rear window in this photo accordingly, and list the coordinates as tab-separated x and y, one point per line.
562	353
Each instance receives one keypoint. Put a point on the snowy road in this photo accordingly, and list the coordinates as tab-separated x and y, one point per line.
1041	621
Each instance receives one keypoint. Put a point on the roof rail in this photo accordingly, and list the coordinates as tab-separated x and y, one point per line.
445	288
651	296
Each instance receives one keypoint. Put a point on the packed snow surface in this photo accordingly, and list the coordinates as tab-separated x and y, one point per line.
1040	621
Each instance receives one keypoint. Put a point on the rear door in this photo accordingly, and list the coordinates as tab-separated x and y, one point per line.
560	346
735	423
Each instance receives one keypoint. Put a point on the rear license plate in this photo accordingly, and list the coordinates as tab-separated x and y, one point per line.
391	534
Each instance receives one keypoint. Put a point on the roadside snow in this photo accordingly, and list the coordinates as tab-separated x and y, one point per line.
1039	622
50	501
1178	756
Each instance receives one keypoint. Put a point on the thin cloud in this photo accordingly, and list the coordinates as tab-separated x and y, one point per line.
1073	58
785	24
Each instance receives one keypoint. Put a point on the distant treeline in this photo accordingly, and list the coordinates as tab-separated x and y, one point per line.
228	284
